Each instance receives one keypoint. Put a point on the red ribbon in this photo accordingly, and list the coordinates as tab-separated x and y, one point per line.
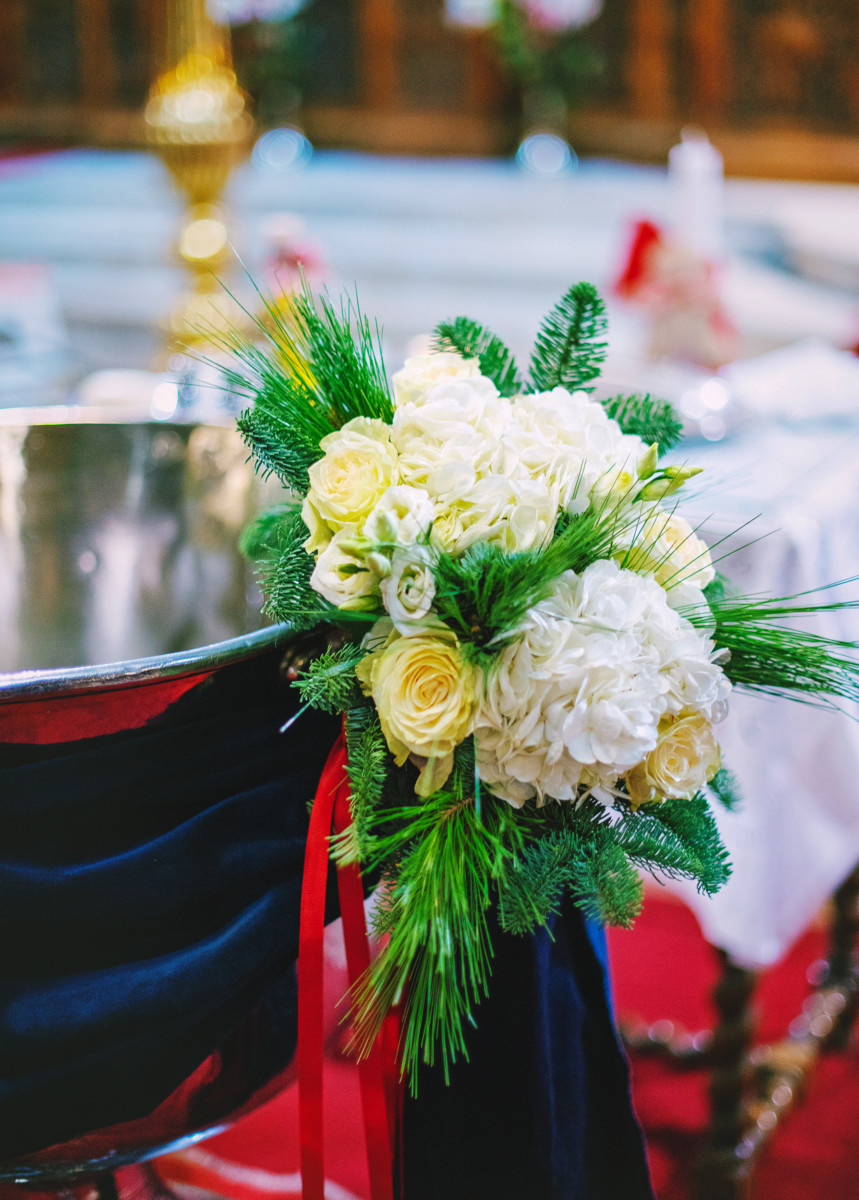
332	805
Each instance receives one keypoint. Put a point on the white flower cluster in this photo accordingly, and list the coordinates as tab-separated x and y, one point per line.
604	680
602	668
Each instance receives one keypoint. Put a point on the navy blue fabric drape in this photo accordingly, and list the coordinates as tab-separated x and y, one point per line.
149	892
542	1110
149	899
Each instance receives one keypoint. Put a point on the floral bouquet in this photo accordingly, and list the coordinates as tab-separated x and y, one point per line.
529	645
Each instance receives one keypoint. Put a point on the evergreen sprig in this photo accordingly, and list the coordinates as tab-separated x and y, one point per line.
329	681
606	886
368	765
768	656
471	340
434	910
484	592
651	420
693	824
534	882
344	356
275	542
275	454
571	346
725	787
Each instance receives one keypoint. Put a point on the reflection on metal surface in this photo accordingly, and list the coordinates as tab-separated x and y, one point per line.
118	540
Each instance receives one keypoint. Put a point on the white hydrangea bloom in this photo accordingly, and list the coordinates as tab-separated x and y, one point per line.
582	691
423	371
568	438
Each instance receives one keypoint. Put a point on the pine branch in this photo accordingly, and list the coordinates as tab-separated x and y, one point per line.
471	340
768	656
484	593
435	901
344	357
275	542
651	420
266	534
571	346
329	682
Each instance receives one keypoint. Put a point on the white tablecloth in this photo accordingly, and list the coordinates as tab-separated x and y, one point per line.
796	835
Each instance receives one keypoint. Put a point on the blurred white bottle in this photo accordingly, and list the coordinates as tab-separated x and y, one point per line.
697	180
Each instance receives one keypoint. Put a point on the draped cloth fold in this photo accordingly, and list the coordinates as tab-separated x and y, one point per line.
150	883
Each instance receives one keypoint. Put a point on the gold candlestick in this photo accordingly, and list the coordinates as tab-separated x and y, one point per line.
198	121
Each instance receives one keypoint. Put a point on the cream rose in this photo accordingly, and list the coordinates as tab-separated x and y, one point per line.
425	694
686	756
409	590
669	549
423	371
358	466
343	578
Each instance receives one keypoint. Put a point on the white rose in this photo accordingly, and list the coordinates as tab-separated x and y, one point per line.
409	590
358	466
404	514
420	372
343	578
668	548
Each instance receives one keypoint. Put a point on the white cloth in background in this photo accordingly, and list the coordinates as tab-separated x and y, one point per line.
796	836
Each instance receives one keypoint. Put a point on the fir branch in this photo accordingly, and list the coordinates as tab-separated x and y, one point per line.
651	420
607	886
726	789
275	542
570	346
329	682
532	887
368	765
267	533
471	340
694	825
274	451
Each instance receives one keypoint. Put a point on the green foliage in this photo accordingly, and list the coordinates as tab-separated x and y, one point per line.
570	346
561	65
434	910
275	542
483	593
606	885
320	367
344	356
768	656
694	826
651	420
368	765
329	682
275	453
726	789
471	340
532	886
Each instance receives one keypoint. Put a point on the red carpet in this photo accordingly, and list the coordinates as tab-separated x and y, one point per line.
662	968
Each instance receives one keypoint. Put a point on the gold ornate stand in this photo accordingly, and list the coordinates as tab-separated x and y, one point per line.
198	122
752	1089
